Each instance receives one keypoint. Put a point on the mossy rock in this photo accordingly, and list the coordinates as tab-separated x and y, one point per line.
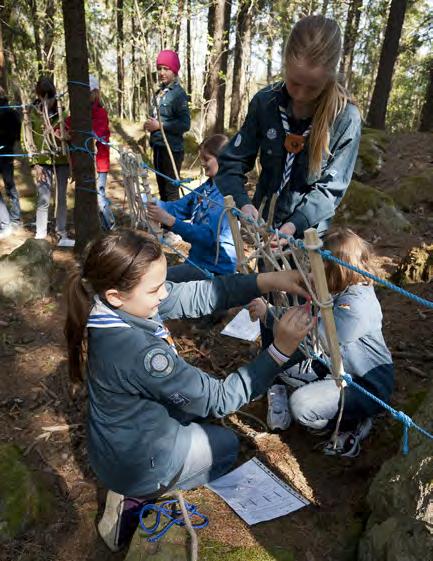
214	551
364	203
24	501
174	546
26	273
372	148
416	266
415	190
190	145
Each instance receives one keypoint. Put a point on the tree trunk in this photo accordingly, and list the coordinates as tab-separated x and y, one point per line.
86	218
214	90
3	65
178	27
350	35
324	7
426	124
48	41
388	56
120	62
134	70
269	49
37	35
241	56
188	49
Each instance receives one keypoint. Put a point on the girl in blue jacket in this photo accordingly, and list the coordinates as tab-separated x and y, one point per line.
203	208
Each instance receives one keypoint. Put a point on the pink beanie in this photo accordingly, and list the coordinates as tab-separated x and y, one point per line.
170	60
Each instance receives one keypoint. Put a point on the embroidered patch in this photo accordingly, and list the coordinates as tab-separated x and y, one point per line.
344	306
158	363
238	140
178	399
271	134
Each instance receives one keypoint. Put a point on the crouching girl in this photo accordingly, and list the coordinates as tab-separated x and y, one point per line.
144	399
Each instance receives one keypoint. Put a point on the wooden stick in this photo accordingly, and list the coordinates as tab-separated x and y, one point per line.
229	203
313	242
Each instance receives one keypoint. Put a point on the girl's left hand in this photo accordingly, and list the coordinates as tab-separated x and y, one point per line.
152	125
289	229
284	281
158	214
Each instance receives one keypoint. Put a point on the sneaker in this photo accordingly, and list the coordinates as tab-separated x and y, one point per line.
349	443
278	408
119	521
5	232
171	238
64	241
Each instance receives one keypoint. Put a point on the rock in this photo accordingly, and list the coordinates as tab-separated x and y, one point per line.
415	190
23	500
364	203
372	148
400	527
190	145
25	274
416	266
174	546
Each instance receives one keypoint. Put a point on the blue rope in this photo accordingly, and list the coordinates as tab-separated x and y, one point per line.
77	83
174	182
328	255
174	516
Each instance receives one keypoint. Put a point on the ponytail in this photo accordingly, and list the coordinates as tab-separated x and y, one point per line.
78	308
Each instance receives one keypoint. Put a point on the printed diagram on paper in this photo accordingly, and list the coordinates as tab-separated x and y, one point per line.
242	327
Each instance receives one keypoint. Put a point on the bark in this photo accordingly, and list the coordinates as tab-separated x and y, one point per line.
388	56
178	27
3	65
120	62
86	218
350	35
241	57
426	124
214	90
37	35
48	41
188	49
269	47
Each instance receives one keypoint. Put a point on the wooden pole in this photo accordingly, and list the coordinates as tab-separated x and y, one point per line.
313	242
236	233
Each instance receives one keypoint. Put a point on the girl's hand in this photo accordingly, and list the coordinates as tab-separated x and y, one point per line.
284	281
257	309
158	214
289	229
151	125
291	329
251	211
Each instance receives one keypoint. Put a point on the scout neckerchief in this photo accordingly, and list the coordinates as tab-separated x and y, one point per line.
294	143
157	98
103	317
201	202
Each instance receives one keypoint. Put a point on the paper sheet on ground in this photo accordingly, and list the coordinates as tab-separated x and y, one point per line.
242	327
256	494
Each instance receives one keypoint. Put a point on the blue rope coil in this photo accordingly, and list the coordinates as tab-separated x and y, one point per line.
173	515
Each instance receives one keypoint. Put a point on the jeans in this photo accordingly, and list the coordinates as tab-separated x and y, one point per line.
184	273
14	212
104	203
213	451
58	174
162	163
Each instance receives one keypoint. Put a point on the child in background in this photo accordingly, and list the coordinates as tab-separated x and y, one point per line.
10	126
147	432
203	208
49	169
358	319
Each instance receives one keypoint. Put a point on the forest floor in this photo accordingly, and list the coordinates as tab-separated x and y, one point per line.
34	393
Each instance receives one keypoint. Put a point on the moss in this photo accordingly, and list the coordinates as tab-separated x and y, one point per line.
23	500
416	266
190	145
362	202
214	551
414	190
372	149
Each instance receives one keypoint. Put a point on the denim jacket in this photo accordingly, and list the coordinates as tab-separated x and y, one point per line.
175	117
142	395
307	200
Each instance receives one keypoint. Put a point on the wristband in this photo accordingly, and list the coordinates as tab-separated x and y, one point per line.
279	357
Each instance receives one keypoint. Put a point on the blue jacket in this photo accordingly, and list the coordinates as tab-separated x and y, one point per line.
205	206
142	395
174	116
308	200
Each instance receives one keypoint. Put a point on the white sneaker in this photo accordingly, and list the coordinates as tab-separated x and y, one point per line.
64	241
278	408
171	238
5	232
349	443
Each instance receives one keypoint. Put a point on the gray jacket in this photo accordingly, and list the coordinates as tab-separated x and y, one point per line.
308	200
142	395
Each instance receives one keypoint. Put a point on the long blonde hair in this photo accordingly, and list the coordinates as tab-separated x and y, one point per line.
316	41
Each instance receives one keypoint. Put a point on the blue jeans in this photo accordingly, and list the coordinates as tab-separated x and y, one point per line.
13	214
57	175
213	451
104	204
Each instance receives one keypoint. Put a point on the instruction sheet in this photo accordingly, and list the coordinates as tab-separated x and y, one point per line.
242	327
256	494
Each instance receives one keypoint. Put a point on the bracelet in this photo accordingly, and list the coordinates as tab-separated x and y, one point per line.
277	355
